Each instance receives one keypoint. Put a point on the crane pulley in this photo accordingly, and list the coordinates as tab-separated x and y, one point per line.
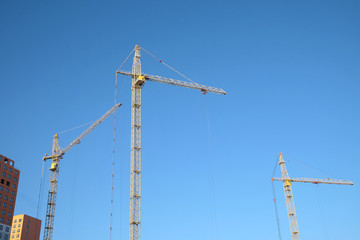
58	154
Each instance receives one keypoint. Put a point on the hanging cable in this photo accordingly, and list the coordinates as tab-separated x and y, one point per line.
74	191
113	158
323	221
40	193
275	204
40	190
211	176
113	164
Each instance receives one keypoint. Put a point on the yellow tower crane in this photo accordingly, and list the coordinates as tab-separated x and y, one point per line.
58	154
138	80
290	205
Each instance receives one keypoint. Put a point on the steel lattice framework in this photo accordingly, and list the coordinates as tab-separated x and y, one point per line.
138	80
58	154
54	177
135	165
290	205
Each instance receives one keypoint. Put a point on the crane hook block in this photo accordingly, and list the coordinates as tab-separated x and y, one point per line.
204	91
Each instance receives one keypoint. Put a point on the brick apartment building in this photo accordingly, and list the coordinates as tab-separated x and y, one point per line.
9	179
25	227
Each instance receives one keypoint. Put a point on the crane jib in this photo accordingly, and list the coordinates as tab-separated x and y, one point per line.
203	88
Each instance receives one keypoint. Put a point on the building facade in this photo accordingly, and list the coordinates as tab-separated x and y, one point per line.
25	227
9	179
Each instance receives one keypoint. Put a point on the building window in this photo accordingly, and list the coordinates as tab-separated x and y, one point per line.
19	225
1	188
25	236
15	179
1	227
6	237
5	167
13	185
3	212
17	235
12	193
3	174
6	190
14	231
16	173
28	221
6	197
9	177
9	214
20	220
11	200
27	226
4	205
1	220
8	222
8	183
18	230
27	231
15	221
10	169
11	207
7	229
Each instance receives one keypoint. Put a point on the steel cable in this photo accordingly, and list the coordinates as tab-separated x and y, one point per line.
275	205
211	180
40	190
114	143
161	61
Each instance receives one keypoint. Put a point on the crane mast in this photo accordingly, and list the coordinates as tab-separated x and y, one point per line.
138	80
135	164
58	154
54	177
290	205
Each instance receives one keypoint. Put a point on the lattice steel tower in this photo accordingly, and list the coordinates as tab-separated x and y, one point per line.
54	178
290	205
135	171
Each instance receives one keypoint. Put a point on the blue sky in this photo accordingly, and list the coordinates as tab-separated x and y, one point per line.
291	70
